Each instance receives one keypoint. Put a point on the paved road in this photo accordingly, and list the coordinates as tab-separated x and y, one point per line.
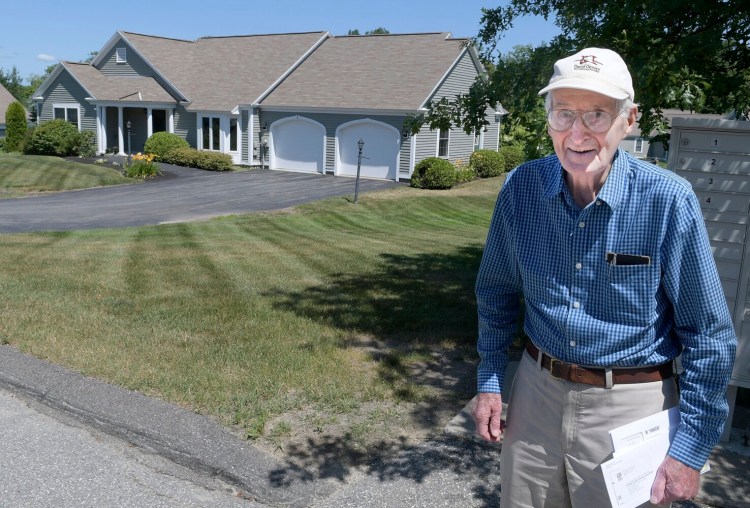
184	194
46	461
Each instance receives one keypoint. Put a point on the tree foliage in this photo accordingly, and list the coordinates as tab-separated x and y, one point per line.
686	54
15	127
376	31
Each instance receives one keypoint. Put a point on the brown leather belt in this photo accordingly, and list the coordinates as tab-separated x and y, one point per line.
598	377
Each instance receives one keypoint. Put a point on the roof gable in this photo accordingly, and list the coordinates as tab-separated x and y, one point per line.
220	73
115	88
396	72
6	99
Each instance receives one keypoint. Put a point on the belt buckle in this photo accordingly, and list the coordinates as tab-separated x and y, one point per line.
559	369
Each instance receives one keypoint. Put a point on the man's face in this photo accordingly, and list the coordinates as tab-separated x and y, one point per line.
580	149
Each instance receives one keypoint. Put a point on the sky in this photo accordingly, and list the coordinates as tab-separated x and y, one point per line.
37	33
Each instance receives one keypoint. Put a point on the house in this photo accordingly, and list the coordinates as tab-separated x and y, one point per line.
6	99
295	101
643	147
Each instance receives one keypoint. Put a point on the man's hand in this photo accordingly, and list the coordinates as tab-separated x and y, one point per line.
674	482
487	416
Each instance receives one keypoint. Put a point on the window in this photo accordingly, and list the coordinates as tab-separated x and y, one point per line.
443	136
477	141
233	134
211	133
121	55
67	112
638	145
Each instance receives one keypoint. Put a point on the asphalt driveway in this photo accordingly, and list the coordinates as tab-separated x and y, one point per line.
183	194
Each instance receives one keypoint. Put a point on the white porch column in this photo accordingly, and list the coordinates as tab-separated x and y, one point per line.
150	123
120	133
250	144
101	124
171	121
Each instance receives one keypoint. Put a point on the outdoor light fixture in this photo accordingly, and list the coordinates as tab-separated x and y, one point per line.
128	126
360	145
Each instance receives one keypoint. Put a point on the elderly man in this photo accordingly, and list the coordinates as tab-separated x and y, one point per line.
614	265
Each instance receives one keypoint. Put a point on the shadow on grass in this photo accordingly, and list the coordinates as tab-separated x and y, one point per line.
423	304
409	300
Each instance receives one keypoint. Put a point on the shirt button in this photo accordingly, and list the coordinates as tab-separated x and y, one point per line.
598	203
579	266
581	224
576	305
572	343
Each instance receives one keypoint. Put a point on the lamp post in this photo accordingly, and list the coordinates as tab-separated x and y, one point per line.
128	126
360	145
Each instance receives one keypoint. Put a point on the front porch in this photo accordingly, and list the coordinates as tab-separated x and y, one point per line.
123	130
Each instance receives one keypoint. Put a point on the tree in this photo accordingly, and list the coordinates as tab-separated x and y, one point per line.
378	31
683	54
15	127
12	82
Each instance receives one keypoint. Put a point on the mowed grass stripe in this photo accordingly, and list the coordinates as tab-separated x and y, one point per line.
246	317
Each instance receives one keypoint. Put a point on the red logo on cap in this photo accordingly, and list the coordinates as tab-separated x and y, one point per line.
589	59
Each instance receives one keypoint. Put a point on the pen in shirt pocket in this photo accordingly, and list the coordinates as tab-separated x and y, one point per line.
620	259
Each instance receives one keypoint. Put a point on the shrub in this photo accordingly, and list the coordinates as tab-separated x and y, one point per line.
487	163
83	144
434	173
2	145
142	166
161	143
15	127
190	157
514	156
56	137
464	172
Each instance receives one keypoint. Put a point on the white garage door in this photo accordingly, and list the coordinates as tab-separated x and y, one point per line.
379	154
297	144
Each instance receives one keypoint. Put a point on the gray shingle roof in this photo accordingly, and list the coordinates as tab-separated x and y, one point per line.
219	73
115	88
6	99
391	72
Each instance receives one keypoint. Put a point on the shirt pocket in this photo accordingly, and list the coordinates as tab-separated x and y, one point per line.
631	294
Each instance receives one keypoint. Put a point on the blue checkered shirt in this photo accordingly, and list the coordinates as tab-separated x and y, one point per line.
581	309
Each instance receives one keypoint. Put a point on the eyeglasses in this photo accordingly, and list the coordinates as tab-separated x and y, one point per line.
563	119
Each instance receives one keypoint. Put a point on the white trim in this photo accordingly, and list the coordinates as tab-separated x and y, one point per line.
337	159
121	54
281	121
53	76
413	153
251	137
447	147
119	35
66	106
635	145
442	80
337	111
292	68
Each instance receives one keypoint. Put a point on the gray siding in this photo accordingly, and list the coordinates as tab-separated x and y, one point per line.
459	80
184	125
134	66
65	89
244	119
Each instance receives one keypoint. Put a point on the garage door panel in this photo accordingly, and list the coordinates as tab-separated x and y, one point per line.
298	145
379	153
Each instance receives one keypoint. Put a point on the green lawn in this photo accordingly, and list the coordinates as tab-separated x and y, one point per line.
248	317
23	174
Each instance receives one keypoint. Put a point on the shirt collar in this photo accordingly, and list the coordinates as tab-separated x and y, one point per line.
614	187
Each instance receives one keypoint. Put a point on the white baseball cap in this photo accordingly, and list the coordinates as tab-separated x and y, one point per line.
595	69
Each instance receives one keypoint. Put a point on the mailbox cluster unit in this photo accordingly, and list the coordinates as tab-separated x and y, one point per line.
714	156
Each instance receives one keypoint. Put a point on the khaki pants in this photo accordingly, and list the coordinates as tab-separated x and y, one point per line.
557	436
